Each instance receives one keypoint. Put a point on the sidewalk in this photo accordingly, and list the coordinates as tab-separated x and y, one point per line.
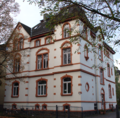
107	115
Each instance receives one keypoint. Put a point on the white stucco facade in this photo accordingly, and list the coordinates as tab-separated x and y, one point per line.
79	70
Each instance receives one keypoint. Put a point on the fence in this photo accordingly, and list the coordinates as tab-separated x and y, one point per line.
42	111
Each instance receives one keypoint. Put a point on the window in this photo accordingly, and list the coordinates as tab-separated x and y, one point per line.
41	88
84	32
100	52
17	63
42	59
66	30
14	106
21	43
44	107
66	85
37	107
66	49
66	56
37	43
87	87
111	72
66	107
86	52
106	52
15	89
101	76
109	89
108	70
113	91
16	46
48	40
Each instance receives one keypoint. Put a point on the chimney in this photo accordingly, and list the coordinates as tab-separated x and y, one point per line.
46	16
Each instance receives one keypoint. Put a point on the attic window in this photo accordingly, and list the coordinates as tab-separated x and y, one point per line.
19	27
35	27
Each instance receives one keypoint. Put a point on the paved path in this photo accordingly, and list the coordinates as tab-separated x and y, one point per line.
107	115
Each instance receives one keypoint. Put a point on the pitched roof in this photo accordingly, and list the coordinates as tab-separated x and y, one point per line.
28	29
40	29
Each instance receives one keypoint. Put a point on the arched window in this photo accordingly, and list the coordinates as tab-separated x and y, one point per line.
41	87
14	106
15	89
21	43
42	58
66	85
109	89
48	40
66	49
66	107
66	30
100	52
86	52
44	107
37	107
108	70
17	63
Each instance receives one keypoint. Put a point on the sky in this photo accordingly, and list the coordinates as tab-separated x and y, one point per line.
30	16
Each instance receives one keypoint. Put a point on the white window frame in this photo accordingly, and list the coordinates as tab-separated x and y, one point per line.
66	82
66	30
65	52
40	90
37	43
45	59
15	89
17	65
48	40
39	63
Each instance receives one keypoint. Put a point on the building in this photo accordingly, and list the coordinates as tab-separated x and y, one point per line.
2	74
48	72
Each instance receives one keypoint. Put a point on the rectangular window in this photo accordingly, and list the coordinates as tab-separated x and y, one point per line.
67	56
100	53
17	66
39	66
101	76
37	43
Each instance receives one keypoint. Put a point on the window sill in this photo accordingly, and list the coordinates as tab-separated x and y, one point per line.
42	69
14	96
67	65
66	94
41	95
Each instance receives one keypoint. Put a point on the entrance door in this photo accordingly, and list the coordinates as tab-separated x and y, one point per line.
103	101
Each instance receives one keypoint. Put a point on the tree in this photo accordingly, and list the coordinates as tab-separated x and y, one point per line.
117	75
104	13
7	9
